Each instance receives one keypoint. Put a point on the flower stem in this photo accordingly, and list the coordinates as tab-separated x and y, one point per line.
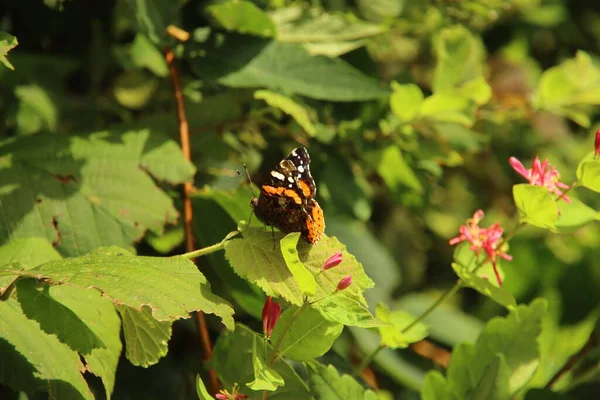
284	332
449	293
210	249
367	360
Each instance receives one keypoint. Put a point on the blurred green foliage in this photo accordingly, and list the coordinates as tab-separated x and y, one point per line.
410	110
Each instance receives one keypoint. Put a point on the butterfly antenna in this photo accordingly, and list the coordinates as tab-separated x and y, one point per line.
248	178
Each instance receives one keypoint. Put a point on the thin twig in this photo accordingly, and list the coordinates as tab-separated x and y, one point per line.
575	358
184	138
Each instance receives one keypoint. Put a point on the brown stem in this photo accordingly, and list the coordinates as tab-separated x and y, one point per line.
575	358
184	138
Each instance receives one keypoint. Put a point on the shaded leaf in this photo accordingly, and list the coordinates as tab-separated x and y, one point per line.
244	17
145	54
171	287
290	107
436	387
327	383
83	192
395	171
33	360
153	17
146	339
309	335
233	361
283	66
37	111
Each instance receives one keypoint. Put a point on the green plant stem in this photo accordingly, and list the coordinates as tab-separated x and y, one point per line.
284	332
449	293
367	360
210	249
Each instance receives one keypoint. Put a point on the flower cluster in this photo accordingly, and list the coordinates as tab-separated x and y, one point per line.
234	395
542	174
486	240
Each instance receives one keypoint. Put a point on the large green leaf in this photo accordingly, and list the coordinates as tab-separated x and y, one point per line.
327	383
309	335
100	316
296	110
536	206
146	339
172	287
254	258
153	17
33	360
485	287
265	377
83	192
514	337
247	62
392	334
304	278
588	174
25	253
7	42
233	361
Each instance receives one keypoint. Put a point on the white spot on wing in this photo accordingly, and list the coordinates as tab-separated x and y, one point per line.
301	168
277	175
290	179
294	153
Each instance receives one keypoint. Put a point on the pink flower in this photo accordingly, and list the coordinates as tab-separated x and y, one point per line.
597	144
270	315
542	174
332	261
344	283
488	240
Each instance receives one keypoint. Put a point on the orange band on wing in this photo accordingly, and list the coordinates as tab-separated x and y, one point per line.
282	191
305	188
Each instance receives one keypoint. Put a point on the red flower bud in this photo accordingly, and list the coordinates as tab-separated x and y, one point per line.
270	315
332	261
597	144
344	283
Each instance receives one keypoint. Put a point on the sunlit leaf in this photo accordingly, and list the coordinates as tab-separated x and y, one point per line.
244	17
7	42
536	206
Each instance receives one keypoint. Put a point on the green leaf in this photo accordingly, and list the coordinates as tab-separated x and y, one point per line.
37	111
568	88
201	390
309	335
265	377
290	107
405	101
483	286
304	278
436	387
395	171
448	107
172	287
7	43
27	253
588	175
327	383
574	215
233	361
514	337
243	17
254	258
134	88
536	206
391	335
283	66
154	16
145	54
100	316
146	339
55	318
33	360
493	384
476	90
83	192
460	56
323	33
378	10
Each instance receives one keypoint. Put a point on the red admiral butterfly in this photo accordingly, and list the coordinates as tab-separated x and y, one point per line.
287	201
